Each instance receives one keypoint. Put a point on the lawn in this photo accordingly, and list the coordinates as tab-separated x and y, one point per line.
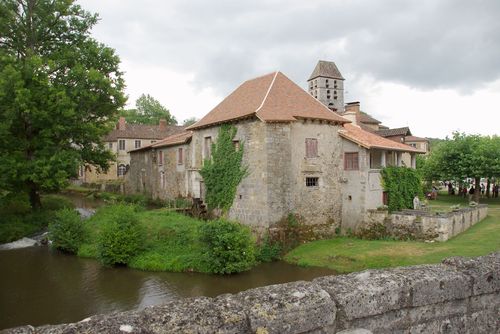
344	254
172	242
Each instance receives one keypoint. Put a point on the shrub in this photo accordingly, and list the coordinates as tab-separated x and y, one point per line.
121	236
67	231
402	184
269	250
230	248
55	202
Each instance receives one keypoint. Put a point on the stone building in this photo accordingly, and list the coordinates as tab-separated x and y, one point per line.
302	157
123	138
326	84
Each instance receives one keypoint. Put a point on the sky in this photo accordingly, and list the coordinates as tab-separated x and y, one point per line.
433	65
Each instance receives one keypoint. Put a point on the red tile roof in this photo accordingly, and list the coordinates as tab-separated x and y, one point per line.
404	131
271	98
415	139
177	139
143	131
370	140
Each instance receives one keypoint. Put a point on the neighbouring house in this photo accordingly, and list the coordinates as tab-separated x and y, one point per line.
123	138
302	156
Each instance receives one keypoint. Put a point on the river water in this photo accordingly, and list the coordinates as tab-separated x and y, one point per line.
39	285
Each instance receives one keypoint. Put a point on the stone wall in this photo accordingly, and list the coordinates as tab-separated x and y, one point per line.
457	296
424	225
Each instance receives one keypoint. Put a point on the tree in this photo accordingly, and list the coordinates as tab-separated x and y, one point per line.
189	121
59	94
465	156
148	111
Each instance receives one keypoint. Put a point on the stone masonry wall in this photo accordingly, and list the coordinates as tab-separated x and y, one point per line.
457	296
425	225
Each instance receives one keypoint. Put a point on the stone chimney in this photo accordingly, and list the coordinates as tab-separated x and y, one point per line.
121	124
162	124
352	112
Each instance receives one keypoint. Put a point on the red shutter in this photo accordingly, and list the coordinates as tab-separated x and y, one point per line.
311	148
180	156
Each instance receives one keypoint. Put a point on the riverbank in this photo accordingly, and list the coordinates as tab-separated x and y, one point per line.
344	254
17	220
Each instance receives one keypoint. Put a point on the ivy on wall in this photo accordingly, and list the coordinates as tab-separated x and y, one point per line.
223	172
401	184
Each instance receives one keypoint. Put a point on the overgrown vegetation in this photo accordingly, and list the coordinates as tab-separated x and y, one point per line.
223	172
347	254
18	220
174	242
230	247
121	236
402	185
66	230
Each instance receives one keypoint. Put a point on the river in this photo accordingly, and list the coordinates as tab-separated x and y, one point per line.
43	286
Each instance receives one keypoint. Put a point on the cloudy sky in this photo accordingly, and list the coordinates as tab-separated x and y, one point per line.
431	64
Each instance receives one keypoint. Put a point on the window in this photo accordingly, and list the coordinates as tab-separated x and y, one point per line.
122	169
312	181
311	147
328	96
413	145
351	161
137	144
179	156
236	144
328	91
153	141
110	145
160	158
121	144
207	148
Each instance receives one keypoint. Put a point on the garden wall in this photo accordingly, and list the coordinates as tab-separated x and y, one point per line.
457	296
425	225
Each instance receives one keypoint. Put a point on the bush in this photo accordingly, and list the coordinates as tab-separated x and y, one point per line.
230	248
67	231
56	202
402	184
121	236
269	250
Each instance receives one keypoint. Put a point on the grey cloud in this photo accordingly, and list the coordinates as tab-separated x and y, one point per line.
425	44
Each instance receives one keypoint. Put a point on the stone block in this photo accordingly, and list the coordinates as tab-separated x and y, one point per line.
484	272
427	313
430	284
297	307
371	292
487	322
483	302
451	325
389	322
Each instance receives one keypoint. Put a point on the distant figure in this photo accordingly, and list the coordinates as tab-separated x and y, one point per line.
416	203
482	189
495	191
464	191
471	193
450	188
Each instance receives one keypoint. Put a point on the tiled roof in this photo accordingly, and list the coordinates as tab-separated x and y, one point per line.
271	98
370	140
177	139
326	69
415	139
405	131
142	131
365	118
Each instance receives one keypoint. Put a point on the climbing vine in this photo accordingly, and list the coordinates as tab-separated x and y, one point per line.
223	172
401	184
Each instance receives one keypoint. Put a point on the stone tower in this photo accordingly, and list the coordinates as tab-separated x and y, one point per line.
326	84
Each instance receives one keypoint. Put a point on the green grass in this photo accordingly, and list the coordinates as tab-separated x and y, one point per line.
172	241
345	254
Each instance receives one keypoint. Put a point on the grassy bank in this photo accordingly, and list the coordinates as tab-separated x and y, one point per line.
172	241
17	220
350	254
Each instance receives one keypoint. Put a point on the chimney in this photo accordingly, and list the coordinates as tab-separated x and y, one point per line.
352	106
121	124
352	112
163	124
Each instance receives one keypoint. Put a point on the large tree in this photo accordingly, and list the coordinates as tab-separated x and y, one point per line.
59	93
148	111
465	156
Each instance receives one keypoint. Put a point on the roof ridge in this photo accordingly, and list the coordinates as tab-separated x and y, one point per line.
267	93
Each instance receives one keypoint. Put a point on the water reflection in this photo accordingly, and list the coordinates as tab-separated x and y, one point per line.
40	286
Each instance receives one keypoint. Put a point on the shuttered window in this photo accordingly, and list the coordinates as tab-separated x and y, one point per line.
311	147
351	161
180	156
160	158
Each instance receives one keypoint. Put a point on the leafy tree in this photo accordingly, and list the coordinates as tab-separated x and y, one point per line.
59	92
148	111
189	121
465	156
